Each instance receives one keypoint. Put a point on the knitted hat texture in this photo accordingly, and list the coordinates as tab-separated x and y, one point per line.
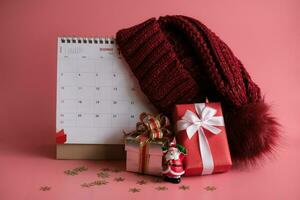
177	59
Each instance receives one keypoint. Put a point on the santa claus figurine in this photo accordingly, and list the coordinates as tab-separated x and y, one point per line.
173	156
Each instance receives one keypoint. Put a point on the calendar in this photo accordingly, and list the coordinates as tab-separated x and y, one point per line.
97	95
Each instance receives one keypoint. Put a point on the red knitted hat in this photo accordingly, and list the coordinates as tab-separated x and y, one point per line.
178	60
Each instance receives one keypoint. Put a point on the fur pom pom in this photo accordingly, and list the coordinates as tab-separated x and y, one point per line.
252	132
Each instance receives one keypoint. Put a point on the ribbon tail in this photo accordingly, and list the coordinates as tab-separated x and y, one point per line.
206	155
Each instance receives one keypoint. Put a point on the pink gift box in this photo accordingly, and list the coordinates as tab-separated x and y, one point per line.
144	155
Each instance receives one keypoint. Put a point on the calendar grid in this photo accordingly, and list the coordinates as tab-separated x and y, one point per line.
97	95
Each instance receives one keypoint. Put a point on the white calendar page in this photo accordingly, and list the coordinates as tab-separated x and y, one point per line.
97	95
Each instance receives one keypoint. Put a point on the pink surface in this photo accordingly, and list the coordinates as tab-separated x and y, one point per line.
263	34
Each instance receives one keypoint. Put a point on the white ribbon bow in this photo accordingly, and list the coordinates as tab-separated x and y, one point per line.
193	124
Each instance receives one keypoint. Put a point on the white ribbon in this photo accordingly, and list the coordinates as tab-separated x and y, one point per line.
193	123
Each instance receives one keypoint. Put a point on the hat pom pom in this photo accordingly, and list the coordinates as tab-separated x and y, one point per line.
252	132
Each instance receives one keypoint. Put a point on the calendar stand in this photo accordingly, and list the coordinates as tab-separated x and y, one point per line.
90	151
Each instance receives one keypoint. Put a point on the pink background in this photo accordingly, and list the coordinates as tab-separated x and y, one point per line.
263	34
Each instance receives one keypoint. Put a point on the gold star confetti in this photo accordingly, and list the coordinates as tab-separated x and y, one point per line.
119	179
141	182
70	173
80	169
75	171
210	188
85	185
45	188
98	183
134	190
101	182
184	187
161	188
103	174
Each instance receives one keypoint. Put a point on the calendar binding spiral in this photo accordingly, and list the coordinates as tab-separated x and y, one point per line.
87	40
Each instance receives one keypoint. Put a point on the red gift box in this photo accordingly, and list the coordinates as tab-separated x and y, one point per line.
200	129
